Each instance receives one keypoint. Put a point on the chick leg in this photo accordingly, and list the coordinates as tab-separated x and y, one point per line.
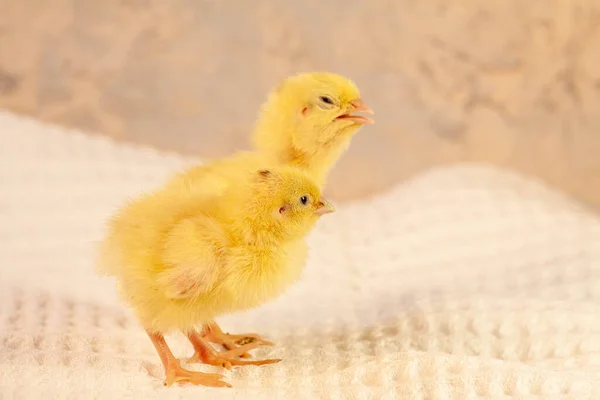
204	352
214	334
174	372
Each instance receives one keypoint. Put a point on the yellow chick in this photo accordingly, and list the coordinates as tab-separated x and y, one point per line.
181	258
307	121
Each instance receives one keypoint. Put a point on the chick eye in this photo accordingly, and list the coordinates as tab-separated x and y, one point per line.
304	200
326	100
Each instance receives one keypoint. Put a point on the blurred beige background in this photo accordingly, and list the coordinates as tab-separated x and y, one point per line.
516	83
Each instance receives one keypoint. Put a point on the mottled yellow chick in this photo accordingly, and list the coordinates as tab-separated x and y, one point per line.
181	258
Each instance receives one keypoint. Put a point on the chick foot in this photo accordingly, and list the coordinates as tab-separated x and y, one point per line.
204	352
214	334
175	373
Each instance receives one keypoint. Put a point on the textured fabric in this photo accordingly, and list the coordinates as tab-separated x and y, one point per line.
464	282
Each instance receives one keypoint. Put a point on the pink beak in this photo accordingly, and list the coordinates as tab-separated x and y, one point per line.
325	207
358	106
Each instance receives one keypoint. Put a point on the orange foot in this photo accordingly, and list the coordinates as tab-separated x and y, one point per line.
174	372
203	352
177	374
214	334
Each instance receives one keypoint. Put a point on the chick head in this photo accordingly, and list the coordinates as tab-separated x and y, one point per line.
286	201
313	110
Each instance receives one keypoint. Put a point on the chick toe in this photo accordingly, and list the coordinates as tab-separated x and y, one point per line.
175	373
205	353
214	334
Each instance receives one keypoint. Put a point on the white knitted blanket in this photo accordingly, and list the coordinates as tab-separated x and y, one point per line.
467	282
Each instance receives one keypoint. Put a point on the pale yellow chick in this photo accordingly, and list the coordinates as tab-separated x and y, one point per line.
181	258
308	121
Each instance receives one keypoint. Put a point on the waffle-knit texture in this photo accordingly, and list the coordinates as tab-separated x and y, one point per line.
465	282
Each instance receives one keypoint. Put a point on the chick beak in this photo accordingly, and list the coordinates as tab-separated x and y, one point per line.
358	105
325	207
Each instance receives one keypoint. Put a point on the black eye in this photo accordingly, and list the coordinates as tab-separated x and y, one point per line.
304	200
326	99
